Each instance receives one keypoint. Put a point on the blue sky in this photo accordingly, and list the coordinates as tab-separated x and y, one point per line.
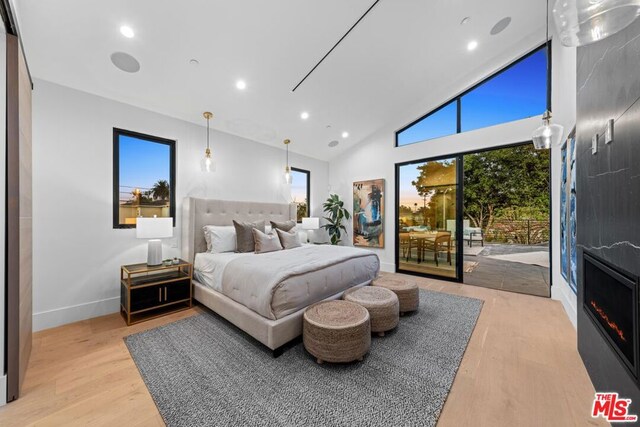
517	93
142	163
298	186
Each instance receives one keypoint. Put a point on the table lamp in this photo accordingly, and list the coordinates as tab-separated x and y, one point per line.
154	229
310	224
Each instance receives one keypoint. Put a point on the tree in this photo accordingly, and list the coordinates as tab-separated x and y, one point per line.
510	182
160	190
435	177
301	210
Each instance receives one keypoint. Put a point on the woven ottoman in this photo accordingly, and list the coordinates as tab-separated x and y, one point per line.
336	331
407	292
382	304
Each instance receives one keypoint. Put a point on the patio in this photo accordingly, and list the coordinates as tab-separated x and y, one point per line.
509	267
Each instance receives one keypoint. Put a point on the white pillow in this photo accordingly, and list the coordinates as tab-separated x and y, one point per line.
220	238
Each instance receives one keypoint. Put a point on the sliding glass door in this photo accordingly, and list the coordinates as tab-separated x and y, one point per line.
429	213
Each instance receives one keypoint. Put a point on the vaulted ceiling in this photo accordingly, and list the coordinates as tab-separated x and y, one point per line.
403	54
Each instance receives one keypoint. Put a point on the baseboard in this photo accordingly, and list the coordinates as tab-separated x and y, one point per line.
62	316
388	267
562	292
3	390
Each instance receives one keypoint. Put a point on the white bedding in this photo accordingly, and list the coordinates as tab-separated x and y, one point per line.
279	283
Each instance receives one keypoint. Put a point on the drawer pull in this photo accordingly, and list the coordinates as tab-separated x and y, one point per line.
159	295
165	293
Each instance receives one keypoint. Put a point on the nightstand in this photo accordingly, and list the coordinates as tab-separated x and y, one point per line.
149	292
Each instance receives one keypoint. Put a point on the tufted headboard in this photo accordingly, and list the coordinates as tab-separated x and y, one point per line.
196	213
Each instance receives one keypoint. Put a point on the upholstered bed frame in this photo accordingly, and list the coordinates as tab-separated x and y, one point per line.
200	212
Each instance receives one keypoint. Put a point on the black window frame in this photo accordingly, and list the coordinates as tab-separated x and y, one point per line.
117	132
308	173
458	98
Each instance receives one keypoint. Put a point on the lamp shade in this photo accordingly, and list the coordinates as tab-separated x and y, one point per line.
581	22
310	223
154	228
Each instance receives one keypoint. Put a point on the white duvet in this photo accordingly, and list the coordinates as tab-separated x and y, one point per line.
279	283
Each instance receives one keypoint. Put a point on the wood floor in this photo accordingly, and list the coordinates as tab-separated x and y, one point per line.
521	369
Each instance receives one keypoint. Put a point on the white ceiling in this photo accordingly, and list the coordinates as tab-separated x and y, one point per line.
405	53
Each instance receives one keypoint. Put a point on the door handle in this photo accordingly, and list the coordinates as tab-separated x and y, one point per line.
165	294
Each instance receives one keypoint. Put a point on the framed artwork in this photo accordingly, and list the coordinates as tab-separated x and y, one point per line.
368	213
564	196
568	249
573	252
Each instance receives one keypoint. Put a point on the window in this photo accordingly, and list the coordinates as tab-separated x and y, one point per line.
301	191
440	123
143	177
516	92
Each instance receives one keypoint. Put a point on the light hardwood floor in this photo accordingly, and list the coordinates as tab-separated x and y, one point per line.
521	369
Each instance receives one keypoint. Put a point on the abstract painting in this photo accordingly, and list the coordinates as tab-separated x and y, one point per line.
564	237
368	213
573	250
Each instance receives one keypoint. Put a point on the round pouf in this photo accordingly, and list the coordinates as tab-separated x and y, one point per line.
336	331
407	292
382	304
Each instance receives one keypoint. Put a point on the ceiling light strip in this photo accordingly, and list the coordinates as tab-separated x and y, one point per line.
335	45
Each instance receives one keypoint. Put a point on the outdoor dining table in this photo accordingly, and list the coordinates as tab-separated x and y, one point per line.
422	237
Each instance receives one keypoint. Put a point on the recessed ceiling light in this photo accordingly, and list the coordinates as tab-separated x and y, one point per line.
127	31
465	20
345	134
334	143
241	84
472	45
304	115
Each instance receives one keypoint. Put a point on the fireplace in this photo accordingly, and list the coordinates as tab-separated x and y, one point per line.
610	299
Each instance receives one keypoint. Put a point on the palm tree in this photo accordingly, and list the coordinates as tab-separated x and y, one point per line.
160	190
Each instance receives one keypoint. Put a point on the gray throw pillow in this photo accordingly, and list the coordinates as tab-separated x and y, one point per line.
288	240
284	226
244	235
266	242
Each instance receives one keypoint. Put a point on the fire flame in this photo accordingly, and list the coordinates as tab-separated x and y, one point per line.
611	323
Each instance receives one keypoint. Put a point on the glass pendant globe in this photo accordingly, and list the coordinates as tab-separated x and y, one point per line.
581	22
548	135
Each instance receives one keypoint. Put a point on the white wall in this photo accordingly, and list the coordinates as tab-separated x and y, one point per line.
76	252
376	156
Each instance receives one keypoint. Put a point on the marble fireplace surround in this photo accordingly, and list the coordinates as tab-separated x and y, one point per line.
608	186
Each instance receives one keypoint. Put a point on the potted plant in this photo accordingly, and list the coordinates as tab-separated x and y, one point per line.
336	212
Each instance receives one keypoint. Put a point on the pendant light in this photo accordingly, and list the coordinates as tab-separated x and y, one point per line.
287	169
548	134
207	152
581	22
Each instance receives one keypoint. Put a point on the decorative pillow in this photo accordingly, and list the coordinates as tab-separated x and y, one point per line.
288	240
244	235
266	242
220	238
284	226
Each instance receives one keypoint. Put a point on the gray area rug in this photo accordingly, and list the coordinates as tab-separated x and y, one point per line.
203	371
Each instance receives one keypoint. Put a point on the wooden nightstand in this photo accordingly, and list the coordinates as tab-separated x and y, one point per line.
149	292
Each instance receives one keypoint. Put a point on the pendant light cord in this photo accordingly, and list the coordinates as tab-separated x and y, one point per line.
547	47
207	134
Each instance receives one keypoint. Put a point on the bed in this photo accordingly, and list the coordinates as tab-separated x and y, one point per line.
265	294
